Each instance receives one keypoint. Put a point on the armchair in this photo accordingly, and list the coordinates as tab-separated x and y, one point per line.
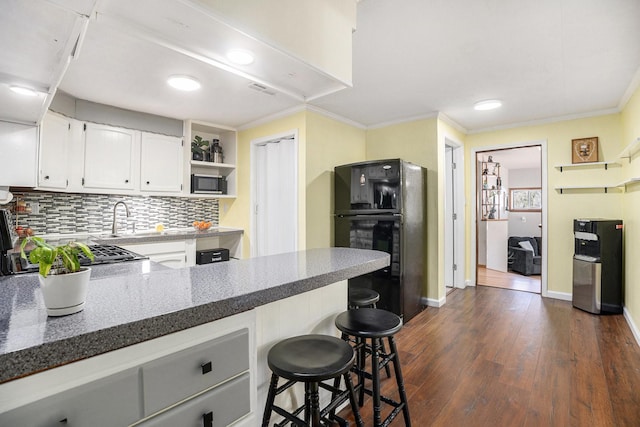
524	261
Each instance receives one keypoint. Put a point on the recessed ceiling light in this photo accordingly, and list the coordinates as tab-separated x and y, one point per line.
23	90
489	104
184	83
240	57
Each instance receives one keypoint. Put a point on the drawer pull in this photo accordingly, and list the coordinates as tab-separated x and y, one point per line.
206	368
207	419
63	421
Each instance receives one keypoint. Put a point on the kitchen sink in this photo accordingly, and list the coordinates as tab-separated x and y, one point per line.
143	234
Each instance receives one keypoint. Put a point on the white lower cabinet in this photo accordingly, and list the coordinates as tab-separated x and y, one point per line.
178	376
202	376
111	401
220	406
170	254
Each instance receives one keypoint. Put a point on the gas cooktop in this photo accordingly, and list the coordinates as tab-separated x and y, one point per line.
103	254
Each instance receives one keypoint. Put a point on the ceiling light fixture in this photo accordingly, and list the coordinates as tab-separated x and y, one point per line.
23	90
489	104
240	57
185	83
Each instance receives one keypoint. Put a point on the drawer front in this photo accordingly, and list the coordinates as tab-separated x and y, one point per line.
111	401
173	378
218	407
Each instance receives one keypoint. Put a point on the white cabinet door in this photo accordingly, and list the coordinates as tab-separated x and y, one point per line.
54	152
18	154
109	157
161	163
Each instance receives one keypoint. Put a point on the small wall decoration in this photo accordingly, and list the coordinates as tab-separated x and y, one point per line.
584	150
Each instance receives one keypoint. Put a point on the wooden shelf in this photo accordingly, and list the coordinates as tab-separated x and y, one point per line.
630	150
584	165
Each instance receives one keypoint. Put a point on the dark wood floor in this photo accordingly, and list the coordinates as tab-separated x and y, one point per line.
497	357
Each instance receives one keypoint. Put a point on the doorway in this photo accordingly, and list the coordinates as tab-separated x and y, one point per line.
454	215
509	217
274	194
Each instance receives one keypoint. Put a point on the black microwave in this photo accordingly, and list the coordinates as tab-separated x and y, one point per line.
208	184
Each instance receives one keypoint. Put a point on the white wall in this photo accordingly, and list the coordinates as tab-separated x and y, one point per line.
525	223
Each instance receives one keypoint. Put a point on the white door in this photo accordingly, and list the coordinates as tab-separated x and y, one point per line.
109	156
275	201
161	163
449	212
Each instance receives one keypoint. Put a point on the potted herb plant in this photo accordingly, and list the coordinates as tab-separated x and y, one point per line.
62	280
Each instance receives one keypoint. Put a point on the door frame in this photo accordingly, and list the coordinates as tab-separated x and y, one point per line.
252	190
459	207
545	207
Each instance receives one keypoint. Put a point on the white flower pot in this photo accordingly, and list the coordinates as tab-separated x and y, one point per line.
65	293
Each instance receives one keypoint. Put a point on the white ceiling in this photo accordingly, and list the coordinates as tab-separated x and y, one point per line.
412	58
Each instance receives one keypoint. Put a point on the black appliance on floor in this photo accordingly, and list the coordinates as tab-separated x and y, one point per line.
381	205
597	265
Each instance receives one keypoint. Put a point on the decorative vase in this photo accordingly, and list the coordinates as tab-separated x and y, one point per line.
65	293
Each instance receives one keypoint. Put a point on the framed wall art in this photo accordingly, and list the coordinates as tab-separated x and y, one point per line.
584	150
525	199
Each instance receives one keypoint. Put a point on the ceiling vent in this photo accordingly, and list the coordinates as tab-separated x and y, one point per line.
262	88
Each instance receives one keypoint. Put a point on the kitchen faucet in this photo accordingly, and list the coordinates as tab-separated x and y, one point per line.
114	226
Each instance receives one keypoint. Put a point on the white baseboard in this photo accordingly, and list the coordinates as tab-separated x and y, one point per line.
632	326
565	296
433	302
468	283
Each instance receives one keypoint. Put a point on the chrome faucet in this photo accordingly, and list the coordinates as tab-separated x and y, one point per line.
114	226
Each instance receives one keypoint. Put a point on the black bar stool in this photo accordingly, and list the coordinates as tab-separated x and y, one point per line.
362	298
374	324
312	359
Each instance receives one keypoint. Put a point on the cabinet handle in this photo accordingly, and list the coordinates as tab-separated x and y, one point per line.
46	177
206	367
63	421
148	182
126	181
207	419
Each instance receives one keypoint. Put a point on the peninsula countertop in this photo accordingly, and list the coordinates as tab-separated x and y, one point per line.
135	302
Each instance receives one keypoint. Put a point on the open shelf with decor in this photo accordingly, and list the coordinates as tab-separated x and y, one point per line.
212	150
492	193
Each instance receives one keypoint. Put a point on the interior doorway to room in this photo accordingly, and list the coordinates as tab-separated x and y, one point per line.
274	191
453	216
509	218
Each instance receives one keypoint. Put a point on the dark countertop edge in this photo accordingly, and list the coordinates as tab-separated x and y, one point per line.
21	363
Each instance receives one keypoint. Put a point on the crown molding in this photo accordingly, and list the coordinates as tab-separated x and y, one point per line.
631	89
548	120
403	120
450	122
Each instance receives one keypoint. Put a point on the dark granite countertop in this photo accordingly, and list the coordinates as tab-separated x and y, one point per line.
133	302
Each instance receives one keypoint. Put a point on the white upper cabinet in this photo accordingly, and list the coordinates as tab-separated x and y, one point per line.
54	152
111	157
19	159
161	163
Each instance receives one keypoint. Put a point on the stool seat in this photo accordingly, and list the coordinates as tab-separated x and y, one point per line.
310	358
369	323
362	297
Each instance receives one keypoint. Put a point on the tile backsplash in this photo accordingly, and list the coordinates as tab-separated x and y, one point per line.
63	213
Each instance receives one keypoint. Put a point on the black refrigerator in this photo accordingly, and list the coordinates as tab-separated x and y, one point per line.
381	205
